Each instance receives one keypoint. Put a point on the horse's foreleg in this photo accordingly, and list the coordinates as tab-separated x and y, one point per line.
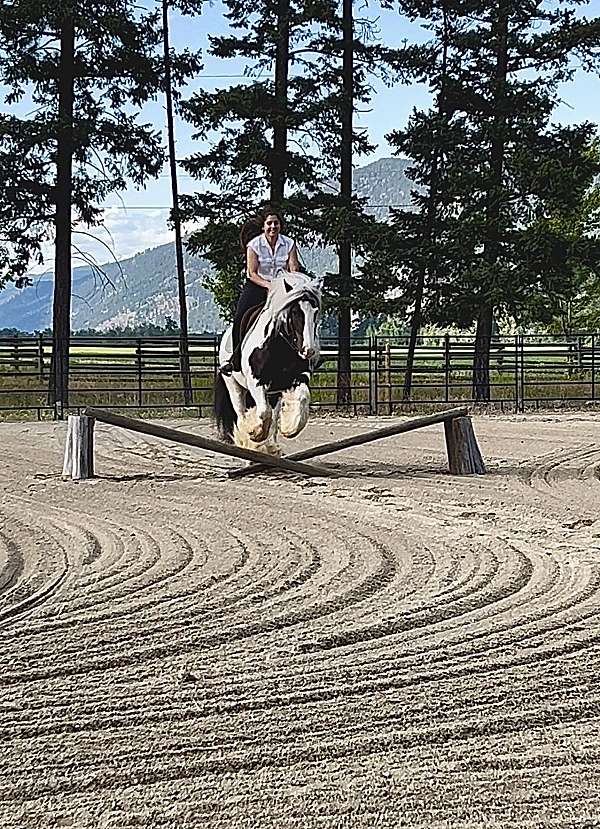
237	395
295	410
256	423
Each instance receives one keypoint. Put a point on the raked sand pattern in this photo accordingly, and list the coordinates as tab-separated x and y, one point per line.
394	647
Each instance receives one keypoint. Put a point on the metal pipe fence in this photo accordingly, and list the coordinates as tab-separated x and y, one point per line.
143	373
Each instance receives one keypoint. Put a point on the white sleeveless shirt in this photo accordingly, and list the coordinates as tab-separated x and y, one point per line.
269	261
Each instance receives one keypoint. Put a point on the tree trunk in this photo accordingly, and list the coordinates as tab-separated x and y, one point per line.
491	248
429	230
282	56
61	311
184	354
344	373
481	364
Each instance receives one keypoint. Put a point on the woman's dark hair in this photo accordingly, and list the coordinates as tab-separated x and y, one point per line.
253	226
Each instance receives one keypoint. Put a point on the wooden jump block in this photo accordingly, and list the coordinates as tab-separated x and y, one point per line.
458	456
79	449
464	457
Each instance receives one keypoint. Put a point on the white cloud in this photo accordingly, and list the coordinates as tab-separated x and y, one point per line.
123	233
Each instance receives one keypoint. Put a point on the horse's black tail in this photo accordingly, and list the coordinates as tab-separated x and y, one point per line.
225	416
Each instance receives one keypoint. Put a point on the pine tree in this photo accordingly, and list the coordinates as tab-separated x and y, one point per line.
504	166
259	132
88	68
418	229
288	139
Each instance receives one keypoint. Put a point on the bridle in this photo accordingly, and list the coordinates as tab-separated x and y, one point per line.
280	328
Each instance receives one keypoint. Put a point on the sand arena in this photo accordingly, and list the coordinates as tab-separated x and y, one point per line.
392	647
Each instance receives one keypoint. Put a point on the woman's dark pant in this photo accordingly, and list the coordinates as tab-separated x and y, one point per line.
252	294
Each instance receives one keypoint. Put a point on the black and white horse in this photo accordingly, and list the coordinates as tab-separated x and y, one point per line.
271	392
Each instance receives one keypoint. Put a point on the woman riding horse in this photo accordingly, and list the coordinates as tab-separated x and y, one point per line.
266	254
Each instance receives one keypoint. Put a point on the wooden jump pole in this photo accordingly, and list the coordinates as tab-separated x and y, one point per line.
148	428
457	464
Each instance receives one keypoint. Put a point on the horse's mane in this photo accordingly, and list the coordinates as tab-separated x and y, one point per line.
288	287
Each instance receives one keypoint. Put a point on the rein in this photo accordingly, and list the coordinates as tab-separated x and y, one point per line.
284	336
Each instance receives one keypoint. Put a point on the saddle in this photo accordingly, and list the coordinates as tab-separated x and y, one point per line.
248	320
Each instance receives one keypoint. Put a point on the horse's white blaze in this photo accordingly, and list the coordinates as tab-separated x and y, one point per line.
295	410
309	334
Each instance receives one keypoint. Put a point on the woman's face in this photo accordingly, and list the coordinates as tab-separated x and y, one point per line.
272	227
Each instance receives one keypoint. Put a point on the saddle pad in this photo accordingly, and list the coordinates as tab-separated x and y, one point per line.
249	318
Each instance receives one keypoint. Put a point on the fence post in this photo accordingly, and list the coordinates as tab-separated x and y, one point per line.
446	367
16	353
593	366
516	372
372	385
215	361
388	374
522	372
138	354
376	373
40	355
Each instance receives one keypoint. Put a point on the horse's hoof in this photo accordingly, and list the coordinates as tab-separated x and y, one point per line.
259	432
293	421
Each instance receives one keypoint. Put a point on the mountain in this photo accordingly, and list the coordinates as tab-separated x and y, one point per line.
385	184
140	289
144	287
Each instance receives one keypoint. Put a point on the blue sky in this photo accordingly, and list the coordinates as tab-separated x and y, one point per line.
136	219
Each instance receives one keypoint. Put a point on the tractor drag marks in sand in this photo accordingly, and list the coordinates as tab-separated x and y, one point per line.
392	647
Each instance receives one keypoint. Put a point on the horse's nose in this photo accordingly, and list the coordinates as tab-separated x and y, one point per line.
309	352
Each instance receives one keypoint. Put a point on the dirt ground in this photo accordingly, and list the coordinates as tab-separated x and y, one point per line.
392	647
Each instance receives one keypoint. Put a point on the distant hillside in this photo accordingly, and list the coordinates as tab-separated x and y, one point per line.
384	184
144	288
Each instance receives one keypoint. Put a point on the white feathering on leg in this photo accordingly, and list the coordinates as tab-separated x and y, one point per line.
295	411
243	439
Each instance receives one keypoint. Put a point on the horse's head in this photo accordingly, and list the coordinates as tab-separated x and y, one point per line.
296	305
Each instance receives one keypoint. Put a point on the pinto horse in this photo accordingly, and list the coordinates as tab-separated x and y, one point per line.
278	350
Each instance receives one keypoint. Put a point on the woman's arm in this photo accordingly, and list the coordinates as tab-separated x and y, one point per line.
252	268
293	264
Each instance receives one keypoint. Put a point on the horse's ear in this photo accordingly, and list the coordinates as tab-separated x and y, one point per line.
317	283
287	286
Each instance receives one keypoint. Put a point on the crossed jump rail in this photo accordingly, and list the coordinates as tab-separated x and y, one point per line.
464	457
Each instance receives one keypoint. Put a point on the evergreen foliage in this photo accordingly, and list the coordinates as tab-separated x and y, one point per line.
501	167
87	68
242	163
117	68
